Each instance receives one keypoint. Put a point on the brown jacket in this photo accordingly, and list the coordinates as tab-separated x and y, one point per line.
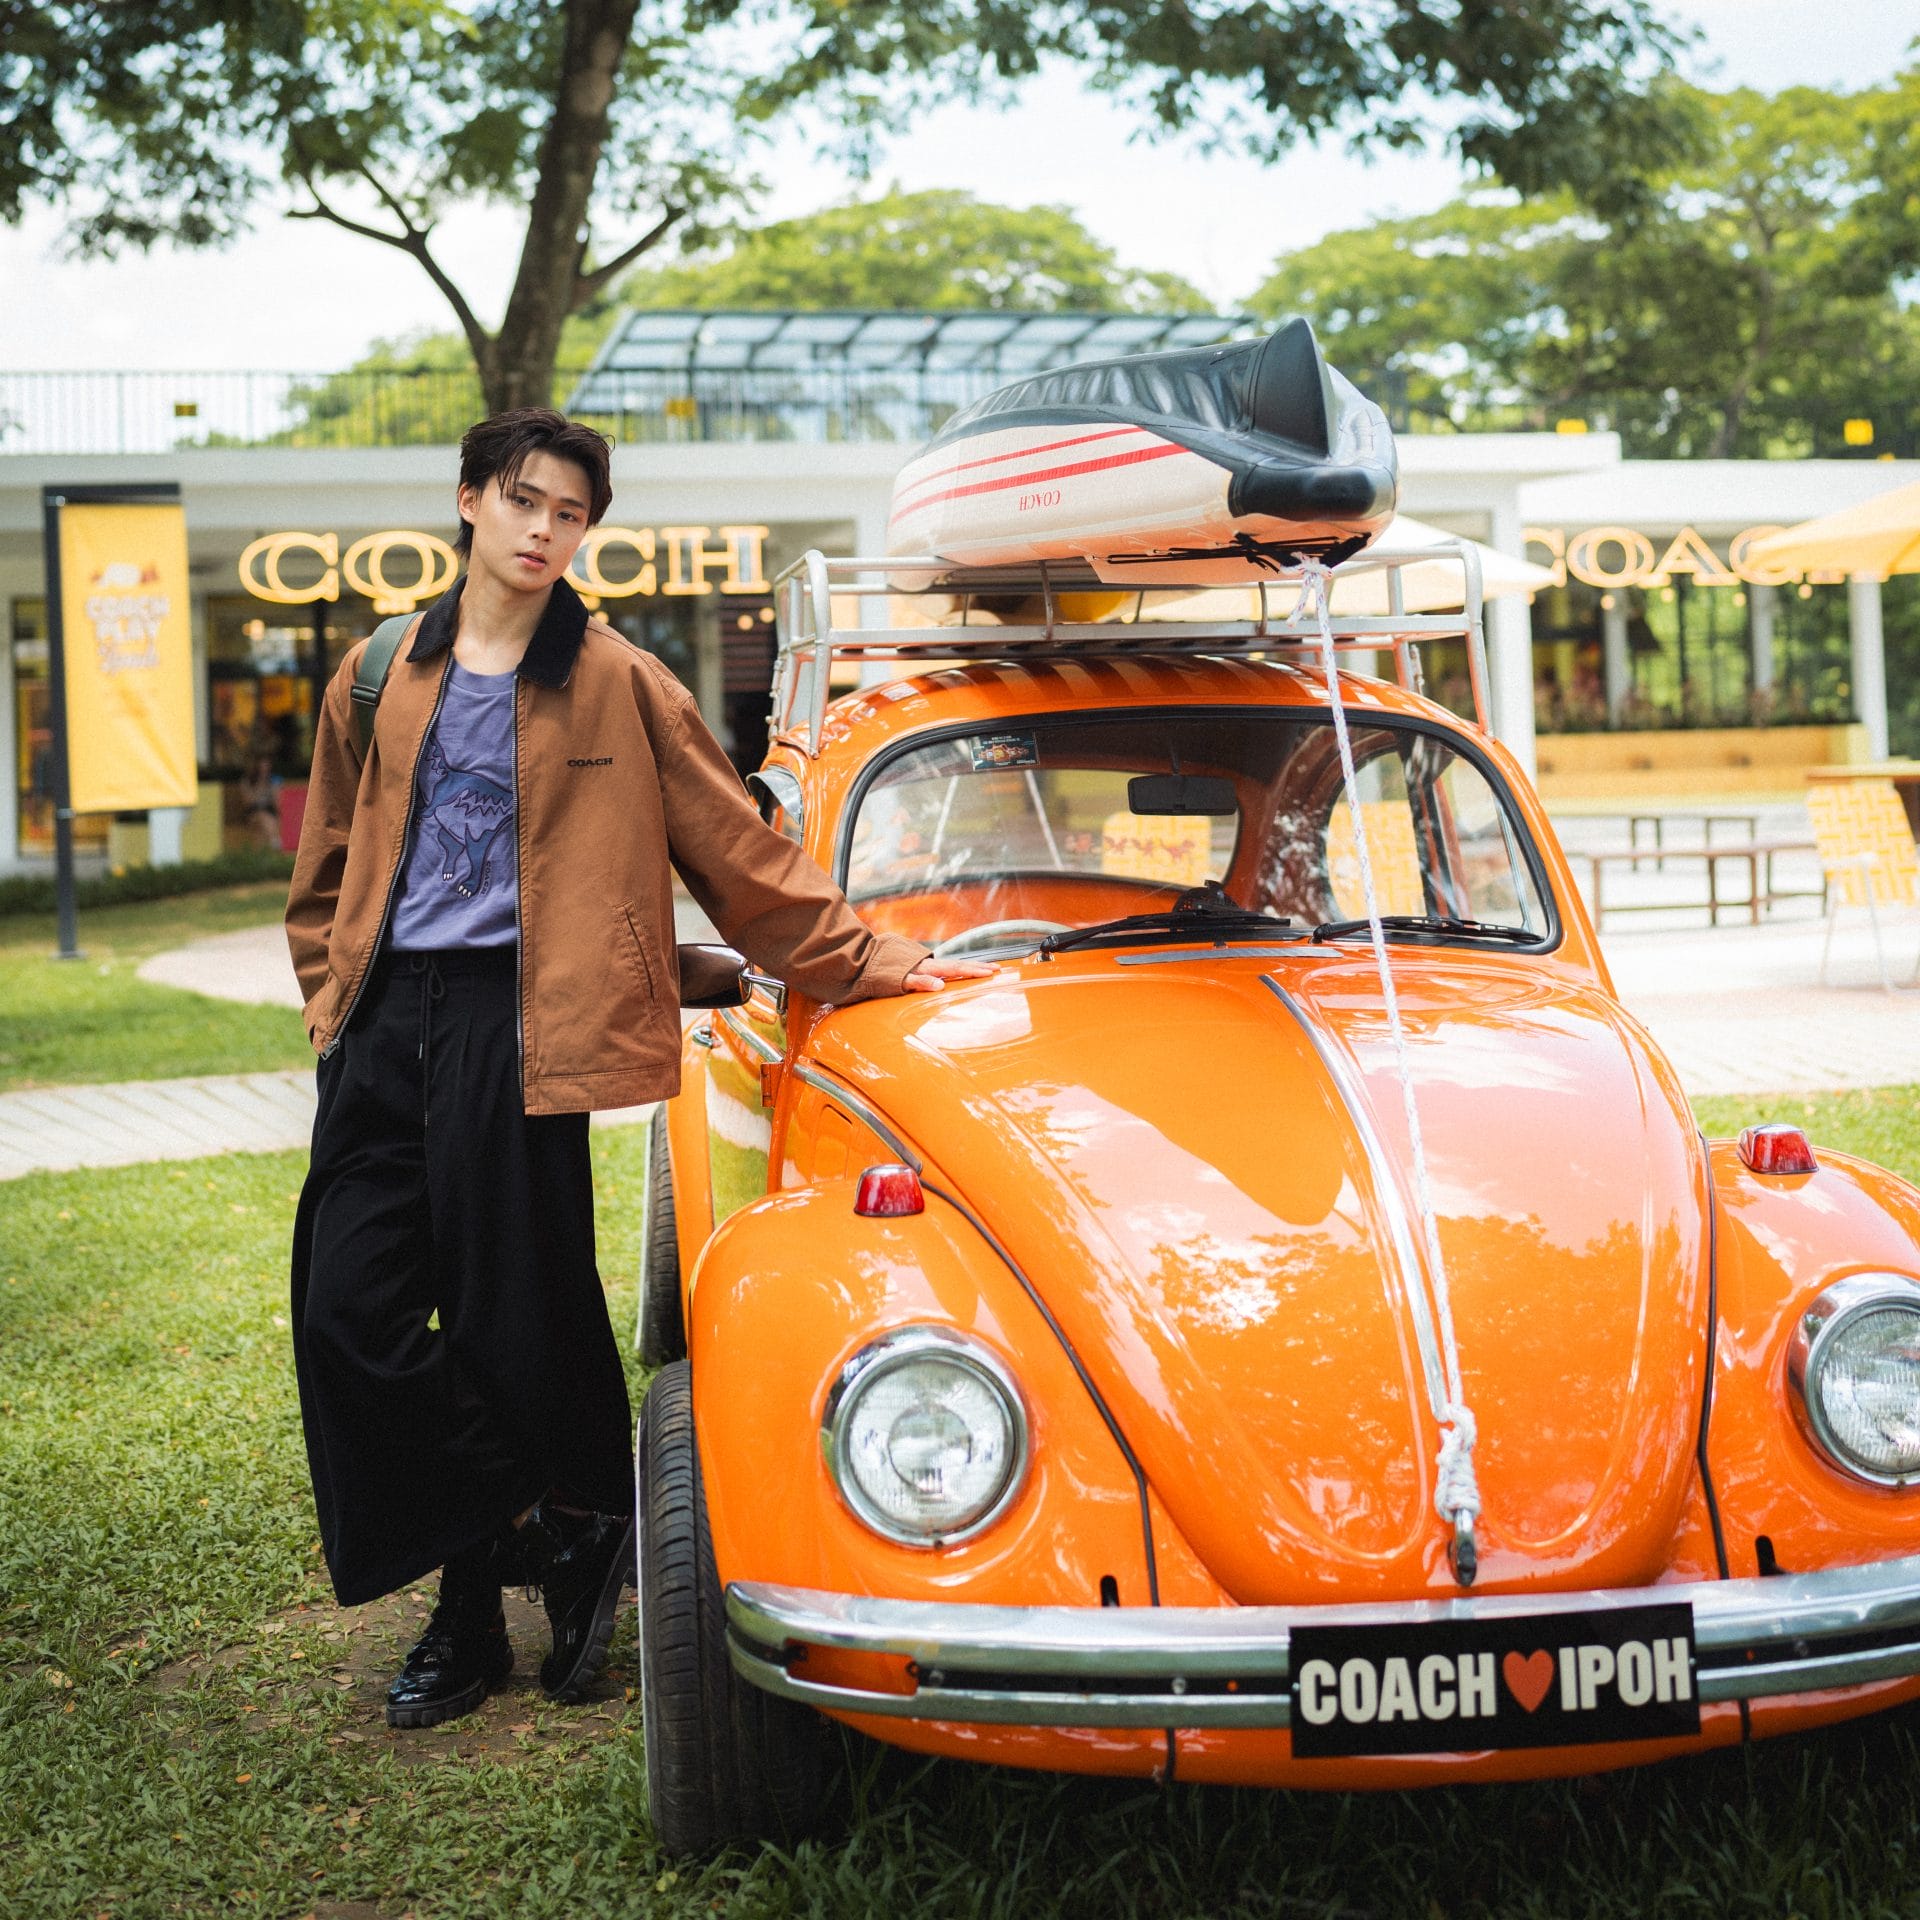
617	780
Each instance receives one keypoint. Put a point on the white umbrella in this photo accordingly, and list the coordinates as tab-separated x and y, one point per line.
1878	537
1428	585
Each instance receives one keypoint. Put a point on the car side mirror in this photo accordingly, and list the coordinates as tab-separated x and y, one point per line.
1180	793
712	975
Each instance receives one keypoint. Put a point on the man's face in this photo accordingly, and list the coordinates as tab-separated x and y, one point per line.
524	535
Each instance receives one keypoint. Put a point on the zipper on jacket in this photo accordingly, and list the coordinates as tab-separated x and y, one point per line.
393	879
519	894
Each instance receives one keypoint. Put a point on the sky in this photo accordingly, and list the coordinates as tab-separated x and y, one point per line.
303	296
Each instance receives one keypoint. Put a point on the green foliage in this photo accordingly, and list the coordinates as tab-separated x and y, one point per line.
175	1734
181	1731
900	251
1881	1124
613	122
92	1019
916	252
1750	308
34	893
1559	93
418	390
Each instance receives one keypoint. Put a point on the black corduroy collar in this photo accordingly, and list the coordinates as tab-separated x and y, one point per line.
551	652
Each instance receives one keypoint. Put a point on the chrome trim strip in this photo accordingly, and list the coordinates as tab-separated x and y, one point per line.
1211	953
837	1092
1413	1274
1014	1708
753	1043
1129	1666
1764	1679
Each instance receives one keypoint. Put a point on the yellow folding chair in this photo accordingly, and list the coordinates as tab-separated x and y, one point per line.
1391	849
1170	847
1866	854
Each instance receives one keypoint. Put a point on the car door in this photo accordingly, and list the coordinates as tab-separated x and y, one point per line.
744	1066
746	1056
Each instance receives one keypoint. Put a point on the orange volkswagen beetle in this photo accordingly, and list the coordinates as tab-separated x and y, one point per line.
1052	1374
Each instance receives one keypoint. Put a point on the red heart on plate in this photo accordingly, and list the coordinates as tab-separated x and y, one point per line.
1528	1679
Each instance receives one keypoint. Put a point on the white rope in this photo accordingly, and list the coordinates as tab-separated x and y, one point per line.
1456	1494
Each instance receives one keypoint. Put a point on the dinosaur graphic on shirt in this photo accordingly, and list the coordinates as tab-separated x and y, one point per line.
466	812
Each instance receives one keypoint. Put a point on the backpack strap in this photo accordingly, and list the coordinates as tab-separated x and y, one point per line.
370	676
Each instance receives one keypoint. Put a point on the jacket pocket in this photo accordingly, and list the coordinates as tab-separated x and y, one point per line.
636	947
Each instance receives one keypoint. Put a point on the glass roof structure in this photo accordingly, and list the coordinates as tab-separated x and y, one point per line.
844	374
952	341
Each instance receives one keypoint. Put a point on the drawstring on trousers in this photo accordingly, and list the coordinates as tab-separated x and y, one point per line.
433	988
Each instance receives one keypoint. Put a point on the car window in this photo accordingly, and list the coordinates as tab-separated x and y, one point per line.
1049	823
1438	839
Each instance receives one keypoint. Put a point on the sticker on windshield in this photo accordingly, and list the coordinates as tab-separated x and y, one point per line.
992	750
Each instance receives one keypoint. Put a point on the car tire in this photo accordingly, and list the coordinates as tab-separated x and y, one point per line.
726	1763
662	1333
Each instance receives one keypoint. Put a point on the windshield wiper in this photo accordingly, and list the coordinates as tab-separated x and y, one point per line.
1209	925
1434	923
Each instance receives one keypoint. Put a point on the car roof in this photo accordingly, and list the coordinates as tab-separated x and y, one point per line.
991	692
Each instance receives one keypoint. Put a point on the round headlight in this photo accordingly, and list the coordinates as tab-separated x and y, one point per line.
925	1436
1855	1361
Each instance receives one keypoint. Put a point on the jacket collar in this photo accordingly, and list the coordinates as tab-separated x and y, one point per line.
551	652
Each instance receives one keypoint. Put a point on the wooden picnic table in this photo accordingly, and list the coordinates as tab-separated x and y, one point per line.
1707	822
1762	888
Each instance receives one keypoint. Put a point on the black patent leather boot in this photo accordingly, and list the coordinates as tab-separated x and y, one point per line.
580	1562
464	1652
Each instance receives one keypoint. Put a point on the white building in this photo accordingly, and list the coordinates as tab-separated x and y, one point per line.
704	511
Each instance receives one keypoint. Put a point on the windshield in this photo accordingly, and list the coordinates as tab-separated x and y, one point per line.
994	839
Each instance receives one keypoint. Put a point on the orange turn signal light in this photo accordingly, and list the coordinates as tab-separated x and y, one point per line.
1777	1149
888	1191
857	1670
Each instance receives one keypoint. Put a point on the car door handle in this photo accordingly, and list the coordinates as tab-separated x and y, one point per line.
775	990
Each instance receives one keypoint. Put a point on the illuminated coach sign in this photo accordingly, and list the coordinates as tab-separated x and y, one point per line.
1625	557
637	556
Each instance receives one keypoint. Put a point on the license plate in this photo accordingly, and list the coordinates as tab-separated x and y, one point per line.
1464	1686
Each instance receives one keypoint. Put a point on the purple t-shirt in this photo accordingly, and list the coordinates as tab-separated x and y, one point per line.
460	881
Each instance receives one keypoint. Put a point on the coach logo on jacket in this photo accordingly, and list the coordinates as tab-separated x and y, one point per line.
605	760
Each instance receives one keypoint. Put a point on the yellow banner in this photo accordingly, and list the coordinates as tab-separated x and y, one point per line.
128	653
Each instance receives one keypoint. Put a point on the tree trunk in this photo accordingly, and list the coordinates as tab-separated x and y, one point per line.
519	370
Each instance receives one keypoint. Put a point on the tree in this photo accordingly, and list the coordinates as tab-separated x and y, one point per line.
903	251
915	251
1751	307
615	122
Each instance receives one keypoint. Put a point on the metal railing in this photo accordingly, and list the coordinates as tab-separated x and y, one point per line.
139	412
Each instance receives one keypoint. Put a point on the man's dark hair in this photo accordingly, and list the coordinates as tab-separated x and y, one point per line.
496	449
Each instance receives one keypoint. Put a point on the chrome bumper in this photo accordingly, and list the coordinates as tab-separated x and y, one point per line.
1228	1666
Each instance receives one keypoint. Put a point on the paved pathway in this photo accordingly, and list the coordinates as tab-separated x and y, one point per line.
1738	1010
114	1125
1742	1010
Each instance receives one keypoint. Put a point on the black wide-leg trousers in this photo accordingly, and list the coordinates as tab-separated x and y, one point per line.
433	1197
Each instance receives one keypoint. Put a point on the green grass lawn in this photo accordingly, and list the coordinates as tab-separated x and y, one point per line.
63	1021
188	1726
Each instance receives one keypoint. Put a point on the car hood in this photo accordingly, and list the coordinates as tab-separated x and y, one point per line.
1204	1171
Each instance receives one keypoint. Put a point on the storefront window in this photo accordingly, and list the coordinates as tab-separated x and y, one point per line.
1690	657
264	679
663	628
33	739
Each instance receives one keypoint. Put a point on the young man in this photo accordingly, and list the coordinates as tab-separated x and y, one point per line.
481	919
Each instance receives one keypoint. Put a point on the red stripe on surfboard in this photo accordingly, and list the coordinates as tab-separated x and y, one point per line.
1024	453
1043	473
